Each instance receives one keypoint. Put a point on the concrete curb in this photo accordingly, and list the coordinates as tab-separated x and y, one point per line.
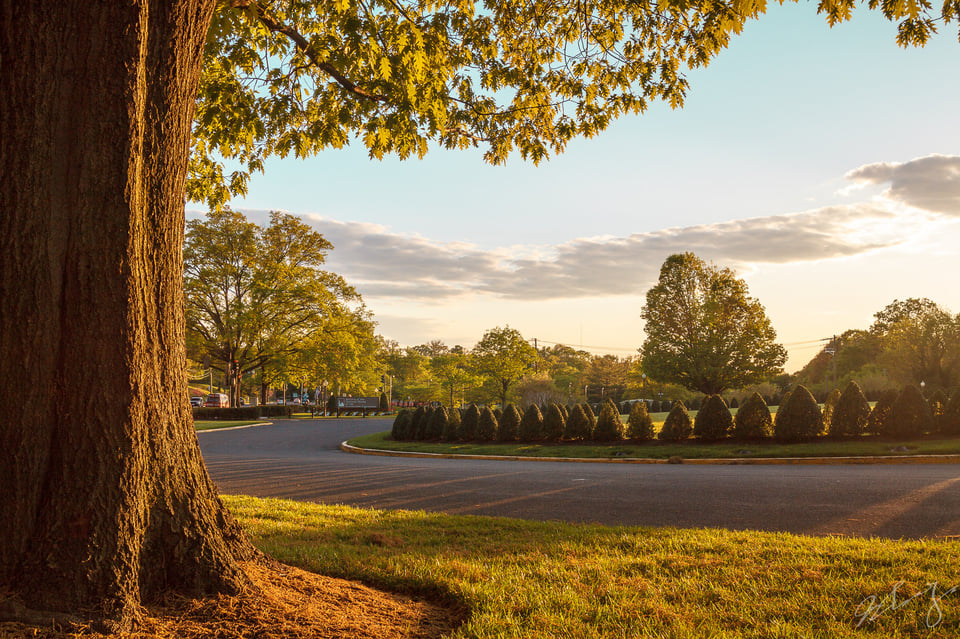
218	430
751	461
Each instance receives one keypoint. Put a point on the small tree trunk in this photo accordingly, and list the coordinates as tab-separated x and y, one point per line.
105	498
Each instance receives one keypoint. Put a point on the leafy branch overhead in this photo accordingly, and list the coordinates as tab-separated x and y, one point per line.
295	77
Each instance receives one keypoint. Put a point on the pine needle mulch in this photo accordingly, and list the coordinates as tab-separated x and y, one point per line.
283	603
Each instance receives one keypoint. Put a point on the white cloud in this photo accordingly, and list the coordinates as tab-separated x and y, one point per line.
931	183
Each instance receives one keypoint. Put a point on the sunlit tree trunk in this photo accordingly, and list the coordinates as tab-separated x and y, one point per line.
104	498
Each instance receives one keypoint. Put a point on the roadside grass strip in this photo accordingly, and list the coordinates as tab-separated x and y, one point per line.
515	578
214	424
693	449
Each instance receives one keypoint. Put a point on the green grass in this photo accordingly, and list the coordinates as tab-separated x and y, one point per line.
526	579
213	424
692	449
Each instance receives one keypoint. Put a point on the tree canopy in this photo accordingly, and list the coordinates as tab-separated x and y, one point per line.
504	356
703	330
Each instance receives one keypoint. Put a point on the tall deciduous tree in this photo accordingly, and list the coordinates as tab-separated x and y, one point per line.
704	331
920	342
504	356
96	114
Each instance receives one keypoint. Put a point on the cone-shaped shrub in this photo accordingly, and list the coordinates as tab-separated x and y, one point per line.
640	424
553	424
851	412
564	412
531	424
666	406
654	407
401	426
451	429
487	426
753	420
783	402
734	403
694	404
470	423
800	418
416	423
509	424
910	415
877	422
498	413
437	424
713	420
578	427
949	422
609	427
591	416
829	406
677	426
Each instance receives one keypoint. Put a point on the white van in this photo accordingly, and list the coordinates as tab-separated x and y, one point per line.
217	400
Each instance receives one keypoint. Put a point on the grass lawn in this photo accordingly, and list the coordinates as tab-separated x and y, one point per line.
688	450
516	578
213	424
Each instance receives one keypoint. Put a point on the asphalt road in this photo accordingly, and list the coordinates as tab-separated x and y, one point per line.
301	460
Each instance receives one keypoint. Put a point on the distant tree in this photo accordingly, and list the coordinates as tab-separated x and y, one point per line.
487	427
553	424
920	342
800	418
639	424
531	424
879	420
453	371
713	420
470	423
609	426
677	426
910	415
950	419
509	424
504	356
851	413
703	330
753	420
578	425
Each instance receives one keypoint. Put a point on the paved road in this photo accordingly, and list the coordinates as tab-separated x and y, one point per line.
300	460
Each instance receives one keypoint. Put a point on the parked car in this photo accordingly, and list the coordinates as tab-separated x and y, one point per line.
196	400
217	400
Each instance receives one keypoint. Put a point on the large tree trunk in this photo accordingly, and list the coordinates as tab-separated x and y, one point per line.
104	498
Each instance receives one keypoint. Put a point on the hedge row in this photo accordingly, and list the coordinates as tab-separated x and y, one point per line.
241	413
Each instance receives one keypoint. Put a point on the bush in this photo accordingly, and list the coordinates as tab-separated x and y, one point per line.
470	423
401	423
332	408
451	427
531	425
910	415
753	420
497	413
949	422
564	412
879	418
783	402
240	412
640	424
654	406
734	403
437	424
274	411
509	424
553	424
578	427
591	416
800	418
384	402
609	428
694	404
677	426
714	420
829	406
487	426
851	412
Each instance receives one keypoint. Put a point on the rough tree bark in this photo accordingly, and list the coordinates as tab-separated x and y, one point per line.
104	499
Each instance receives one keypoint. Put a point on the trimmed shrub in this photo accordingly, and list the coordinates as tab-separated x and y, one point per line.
564	411
877	422
714	420
694	404
640	424
553	424
677	426
487	426
470	423
910	415
850	413
384	402
783	402
417	427
829	406
734	403
401	424
949	422
273	411
451	429
800	418
654	406
666	406
753	419
531	424
578	427
239	412
509	424
437	424
591	416
498	413
609	427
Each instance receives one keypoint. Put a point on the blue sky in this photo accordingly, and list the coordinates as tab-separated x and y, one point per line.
823	164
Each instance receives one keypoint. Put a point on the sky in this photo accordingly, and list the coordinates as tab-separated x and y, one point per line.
822	164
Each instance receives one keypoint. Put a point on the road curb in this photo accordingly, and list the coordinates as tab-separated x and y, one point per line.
751	461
